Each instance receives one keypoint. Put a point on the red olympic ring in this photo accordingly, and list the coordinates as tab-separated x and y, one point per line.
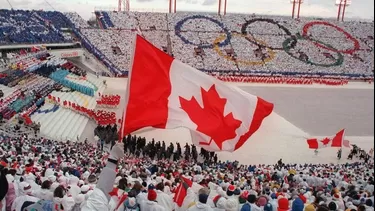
348	36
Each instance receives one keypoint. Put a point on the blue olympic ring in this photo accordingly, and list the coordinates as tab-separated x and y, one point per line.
221	25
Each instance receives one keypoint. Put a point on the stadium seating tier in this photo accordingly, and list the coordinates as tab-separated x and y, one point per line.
235	44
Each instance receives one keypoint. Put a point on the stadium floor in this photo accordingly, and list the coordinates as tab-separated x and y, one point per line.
322	112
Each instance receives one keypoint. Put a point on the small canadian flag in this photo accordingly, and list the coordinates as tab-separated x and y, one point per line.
166	93
336	141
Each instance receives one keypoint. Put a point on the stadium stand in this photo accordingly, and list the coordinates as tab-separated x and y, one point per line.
31	79
106	40
104	19
53	98
244	44
58	19
77	20
233	48
123	20
30	27
231	45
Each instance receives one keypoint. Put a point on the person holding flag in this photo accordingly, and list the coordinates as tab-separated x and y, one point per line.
339	153
99	199
335	141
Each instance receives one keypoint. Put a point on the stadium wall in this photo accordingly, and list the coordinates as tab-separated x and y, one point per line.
67	53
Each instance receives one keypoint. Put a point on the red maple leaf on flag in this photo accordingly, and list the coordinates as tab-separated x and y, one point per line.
325	141
210	118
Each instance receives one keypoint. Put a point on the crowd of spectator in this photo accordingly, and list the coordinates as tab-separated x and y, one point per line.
26	27
104	21
40	174
283	80
29	89
251	44
57	19
106	40
77	20
31	81
269	44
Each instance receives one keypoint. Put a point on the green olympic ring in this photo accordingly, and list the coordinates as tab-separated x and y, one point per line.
287	49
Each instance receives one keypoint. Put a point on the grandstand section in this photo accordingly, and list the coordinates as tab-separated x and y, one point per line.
234	48
76	20
24	27
244	44
50	95
234	44
61	93
78	132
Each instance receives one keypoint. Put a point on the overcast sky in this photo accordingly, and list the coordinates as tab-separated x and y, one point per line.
363	9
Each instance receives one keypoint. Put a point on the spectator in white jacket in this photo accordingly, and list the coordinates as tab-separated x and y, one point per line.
274	202
142	196
151	204
74	190
45	191
201	205
162	198
99	199
25	198
339	201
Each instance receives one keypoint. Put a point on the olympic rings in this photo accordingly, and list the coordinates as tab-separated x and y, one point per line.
338	61
287	32
289	43
350	37
271	53
221	25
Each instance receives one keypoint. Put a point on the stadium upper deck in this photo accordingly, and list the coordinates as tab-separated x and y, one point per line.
231	44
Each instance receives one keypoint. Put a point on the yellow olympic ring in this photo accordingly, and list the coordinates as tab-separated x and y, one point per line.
271	53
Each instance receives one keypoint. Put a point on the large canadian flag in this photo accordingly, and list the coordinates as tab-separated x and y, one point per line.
335	141
166	93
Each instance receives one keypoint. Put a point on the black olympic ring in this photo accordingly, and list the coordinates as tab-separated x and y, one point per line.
221	25
287	32
287	49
